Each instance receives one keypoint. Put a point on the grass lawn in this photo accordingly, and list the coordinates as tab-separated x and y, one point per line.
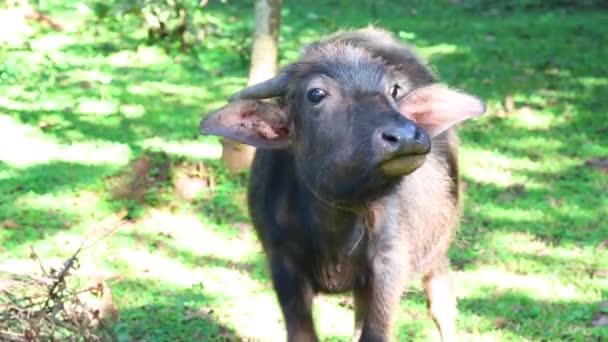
85	110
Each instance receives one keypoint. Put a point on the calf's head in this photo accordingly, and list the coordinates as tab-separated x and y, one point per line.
354	124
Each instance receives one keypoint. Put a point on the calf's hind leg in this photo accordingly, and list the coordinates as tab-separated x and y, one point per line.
441	302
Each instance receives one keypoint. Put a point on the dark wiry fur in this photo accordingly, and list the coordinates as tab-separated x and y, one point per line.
355	185
372	247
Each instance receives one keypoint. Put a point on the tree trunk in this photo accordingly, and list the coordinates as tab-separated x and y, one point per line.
237	156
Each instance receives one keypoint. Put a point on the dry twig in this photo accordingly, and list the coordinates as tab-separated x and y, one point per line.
50	307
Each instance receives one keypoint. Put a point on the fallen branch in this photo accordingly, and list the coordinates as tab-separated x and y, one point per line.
49	307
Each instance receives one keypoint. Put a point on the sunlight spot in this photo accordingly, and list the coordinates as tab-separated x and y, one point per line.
16	105
145	55
153	87
590	81
439	49
45	105
6	174
139	89
531	119
18	90
19	266
407	35
29	266
476	283
91	75
96	106
228	282
190	234
516	242
535	142
51	42
258	319
67	201
82	8
331	318
244	304
257	316
14	29
26	145
499	212
132	111
204	147
122	58
493	167
149	266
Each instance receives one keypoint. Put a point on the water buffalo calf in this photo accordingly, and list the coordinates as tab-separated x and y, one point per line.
354	185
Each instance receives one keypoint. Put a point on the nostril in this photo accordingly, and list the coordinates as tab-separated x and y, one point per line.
390	138
418	134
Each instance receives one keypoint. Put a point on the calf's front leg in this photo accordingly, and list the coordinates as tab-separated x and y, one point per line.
377	300
295	296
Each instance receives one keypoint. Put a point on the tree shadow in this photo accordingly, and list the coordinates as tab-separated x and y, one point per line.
571	221
255	267
174	315
181	312
31	223
53	177
535	319
223	205
115	90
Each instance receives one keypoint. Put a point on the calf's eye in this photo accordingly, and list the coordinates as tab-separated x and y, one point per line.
316	95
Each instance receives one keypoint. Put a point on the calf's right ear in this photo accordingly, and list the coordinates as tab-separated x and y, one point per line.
252	122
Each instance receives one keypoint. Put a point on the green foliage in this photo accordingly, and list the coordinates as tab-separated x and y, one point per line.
527	5
78	107
179	24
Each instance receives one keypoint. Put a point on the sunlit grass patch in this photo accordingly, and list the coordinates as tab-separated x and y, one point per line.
25	146
200	149
438	49
332	316
496	168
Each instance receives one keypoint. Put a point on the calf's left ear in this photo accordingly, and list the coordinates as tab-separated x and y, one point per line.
252	122
436	108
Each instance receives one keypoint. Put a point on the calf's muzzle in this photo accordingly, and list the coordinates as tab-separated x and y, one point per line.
404	146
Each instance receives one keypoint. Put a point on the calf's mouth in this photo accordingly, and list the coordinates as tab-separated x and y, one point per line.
402	165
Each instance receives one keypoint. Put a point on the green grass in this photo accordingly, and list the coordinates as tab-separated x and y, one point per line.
76	106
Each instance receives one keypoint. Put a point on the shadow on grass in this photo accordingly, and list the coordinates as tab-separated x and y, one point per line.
171	315
569	220
254	267
495	309
32	223
53	177
535	319
111	91
225	208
